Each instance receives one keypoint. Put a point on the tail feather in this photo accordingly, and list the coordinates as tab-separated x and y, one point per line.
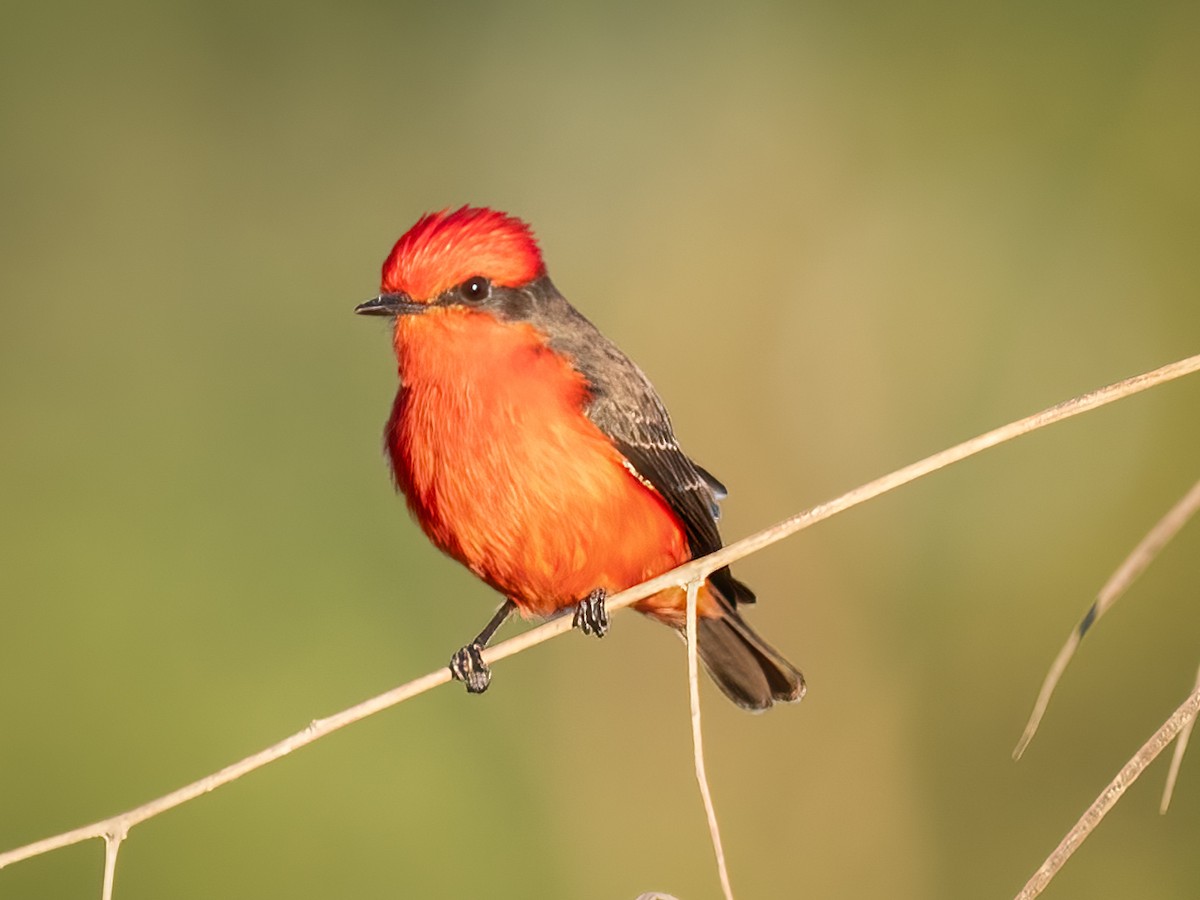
750	672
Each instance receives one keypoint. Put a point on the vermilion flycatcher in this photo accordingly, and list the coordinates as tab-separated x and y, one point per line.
533	451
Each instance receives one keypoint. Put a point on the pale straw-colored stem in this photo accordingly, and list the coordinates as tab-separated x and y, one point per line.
710	812
112	844
1138	560
680	577
1181	743
1110	795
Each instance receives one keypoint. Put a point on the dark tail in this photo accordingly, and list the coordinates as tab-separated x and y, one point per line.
751	672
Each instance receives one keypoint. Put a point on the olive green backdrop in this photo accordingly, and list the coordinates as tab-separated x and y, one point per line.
838	237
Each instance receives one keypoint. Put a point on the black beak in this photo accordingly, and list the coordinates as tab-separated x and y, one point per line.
389	305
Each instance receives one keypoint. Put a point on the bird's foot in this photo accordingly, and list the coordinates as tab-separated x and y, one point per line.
467	666
591	616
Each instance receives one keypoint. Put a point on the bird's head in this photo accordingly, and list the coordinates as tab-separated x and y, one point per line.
456	259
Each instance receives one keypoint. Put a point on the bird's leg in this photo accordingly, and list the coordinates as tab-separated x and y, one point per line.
467	664
591	616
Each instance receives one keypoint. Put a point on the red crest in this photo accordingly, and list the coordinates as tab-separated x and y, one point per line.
446	248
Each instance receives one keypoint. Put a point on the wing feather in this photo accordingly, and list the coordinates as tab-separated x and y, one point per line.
625	406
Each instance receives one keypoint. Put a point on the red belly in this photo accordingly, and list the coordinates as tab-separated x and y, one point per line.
506	474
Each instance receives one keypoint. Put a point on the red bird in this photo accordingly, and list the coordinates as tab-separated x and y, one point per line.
533	451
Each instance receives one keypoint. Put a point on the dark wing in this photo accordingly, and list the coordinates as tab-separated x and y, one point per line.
631	413
625	406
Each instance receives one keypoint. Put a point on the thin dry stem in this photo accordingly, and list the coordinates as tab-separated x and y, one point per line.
1111	794
1177	759
710	812
1133	566
112	844
680	577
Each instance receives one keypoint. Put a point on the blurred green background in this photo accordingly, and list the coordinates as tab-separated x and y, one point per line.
838	237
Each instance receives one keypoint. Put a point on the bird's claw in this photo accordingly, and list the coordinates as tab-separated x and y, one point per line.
467	666
591	615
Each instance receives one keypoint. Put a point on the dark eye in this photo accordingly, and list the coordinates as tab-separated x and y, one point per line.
475	290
